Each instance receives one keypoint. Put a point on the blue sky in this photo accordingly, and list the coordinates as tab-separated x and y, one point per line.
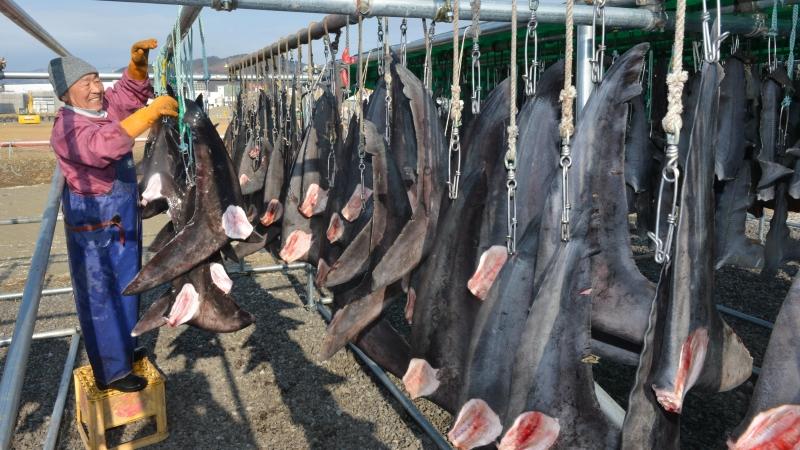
102	32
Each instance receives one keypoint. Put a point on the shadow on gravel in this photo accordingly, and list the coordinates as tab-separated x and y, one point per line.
196	404
303	383
42	377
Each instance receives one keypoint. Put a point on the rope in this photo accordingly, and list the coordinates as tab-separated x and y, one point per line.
672	122
511	154
456	105
476	14
568	94
790	60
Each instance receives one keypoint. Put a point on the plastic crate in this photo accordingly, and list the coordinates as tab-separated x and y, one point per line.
100	410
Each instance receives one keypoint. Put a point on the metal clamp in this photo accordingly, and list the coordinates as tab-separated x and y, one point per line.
224	5
598	59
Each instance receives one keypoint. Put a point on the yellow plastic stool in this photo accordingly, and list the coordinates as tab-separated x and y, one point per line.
101	410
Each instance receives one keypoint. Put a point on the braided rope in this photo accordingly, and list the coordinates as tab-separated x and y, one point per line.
568	94
456	105
513	131
677	77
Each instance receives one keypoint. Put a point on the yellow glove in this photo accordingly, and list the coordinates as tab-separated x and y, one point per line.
140	121
137	69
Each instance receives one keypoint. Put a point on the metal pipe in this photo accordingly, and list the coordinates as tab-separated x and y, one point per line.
271	269
491	10
334	23
745	317
610	408
24	220
26	22
64	332
583	68
44	293
310	286
40	143
110	76
17	356
61	399
185	21
376	370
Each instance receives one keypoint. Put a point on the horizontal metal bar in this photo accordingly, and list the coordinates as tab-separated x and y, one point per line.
61	399
44	293
271	269
491	10
105	76
333	22
109	76
746	317
21	144
64	332
410	408
26	22
24	220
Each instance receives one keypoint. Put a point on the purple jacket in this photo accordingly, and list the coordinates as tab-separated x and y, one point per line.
87	147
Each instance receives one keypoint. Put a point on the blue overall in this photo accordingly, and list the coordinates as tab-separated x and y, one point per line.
104	236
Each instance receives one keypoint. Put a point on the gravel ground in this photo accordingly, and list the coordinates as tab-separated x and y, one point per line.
264	386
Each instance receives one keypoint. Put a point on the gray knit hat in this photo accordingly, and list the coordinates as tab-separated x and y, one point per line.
65	71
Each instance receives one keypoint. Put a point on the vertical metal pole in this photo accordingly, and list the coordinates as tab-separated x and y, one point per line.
17	356
583	68
310	286
63	389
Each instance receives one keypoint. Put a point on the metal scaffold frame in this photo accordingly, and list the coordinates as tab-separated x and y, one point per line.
341	12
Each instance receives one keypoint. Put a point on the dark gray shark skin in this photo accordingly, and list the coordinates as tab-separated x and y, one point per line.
217	312
355	258
385	346
391	212
771	170
303	226
638	148
617	285
444	309
548	376
347	187
773	418
164	235
274	187
391	207
162	165
693	346
733	247
217	193
779	246
794	183
648	425
417	237
731	142
501	318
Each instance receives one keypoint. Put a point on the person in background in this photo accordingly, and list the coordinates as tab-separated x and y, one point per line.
93	136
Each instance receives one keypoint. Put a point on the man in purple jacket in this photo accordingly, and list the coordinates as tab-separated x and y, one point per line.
93	137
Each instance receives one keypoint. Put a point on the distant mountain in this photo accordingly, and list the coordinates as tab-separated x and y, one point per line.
215	64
